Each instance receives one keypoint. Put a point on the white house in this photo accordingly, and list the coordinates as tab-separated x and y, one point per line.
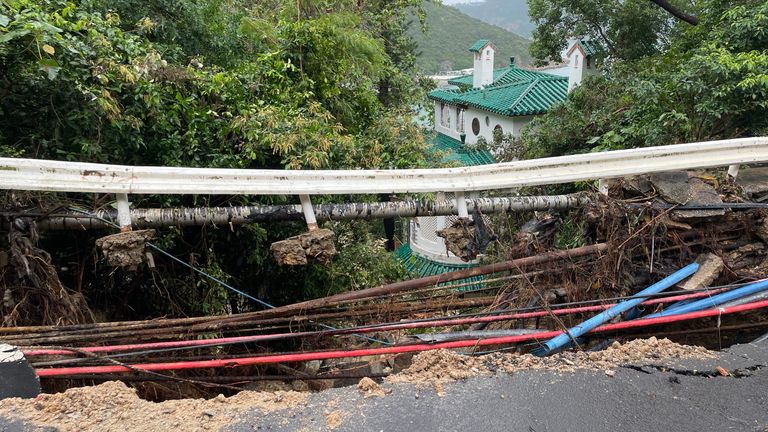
488	100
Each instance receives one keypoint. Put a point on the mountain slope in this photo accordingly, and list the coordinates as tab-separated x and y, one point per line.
510	15
449	35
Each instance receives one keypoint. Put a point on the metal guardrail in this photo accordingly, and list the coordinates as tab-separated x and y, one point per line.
56	176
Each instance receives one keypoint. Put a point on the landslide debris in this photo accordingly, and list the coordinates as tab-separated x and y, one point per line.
442	365
113	406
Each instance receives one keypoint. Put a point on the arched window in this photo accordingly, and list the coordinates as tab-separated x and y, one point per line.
575	62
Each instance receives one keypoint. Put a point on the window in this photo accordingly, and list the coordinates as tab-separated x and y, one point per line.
575	62
476	126
445	115
487	121
459	120
588	62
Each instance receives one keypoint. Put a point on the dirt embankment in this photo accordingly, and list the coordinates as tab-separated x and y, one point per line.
113	406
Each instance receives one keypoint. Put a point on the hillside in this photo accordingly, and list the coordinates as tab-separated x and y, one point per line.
510	15
450	33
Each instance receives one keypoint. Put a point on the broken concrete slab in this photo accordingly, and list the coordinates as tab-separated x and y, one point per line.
672	186
17	378
298	250
754	180
678	187
710	266
700	192
125	249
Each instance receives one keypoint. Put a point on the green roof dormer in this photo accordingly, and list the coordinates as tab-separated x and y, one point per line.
477	46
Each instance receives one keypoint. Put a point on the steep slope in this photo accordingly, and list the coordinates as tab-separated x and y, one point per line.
510	15
450	33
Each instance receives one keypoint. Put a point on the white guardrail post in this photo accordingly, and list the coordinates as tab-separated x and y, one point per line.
733	171
309	212
58	176
123	212
461	205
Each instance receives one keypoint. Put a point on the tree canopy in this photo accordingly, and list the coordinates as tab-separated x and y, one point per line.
207	83
707	81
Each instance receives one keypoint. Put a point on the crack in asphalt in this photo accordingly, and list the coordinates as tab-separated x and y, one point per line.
744	372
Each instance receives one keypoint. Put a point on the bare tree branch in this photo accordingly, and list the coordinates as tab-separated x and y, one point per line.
677	13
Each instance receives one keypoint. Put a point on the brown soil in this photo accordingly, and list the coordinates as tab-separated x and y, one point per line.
369	388
333	419
113	406
440	366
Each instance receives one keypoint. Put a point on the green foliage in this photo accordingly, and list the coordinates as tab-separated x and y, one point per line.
449	33
627	30
214	84
710	84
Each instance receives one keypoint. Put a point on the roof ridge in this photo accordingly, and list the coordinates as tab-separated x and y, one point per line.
524	94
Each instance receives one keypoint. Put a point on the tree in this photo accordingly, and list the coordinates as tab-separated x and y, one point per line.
710	83
255	86
627	30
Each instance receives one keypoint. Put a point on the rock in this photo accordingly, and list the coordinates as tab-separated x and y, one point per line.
289	252
125	249
319	244
710	267
316	244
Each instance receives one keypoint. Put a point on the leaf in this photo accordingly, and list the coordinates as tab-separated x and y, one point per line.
49	49
12	35
4	20
51	67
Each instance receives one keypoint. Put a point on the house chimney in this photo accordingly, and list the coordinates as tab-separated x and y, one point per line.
483	52
581	62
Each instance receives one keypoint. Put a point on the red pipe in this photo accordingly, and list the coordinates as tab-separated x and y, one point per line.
396	326
323	355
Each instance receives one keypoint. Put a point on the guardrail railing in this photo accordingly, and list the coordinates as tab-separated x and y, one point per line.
57	176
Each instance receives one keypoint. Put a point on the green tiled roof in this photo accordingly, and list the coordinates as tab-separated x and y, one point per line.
588	47
422	267
455	151
516	92
477	46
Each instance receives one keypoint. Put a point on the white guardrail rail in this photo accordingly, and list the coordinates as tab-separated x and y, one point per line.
56	176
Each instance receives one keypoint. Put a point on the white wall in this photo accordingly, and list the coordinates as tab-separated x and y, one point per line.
486	129
512	125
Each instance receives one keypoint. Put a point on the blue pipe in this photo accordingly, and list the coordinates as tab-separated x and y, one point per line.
715	300
560	341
